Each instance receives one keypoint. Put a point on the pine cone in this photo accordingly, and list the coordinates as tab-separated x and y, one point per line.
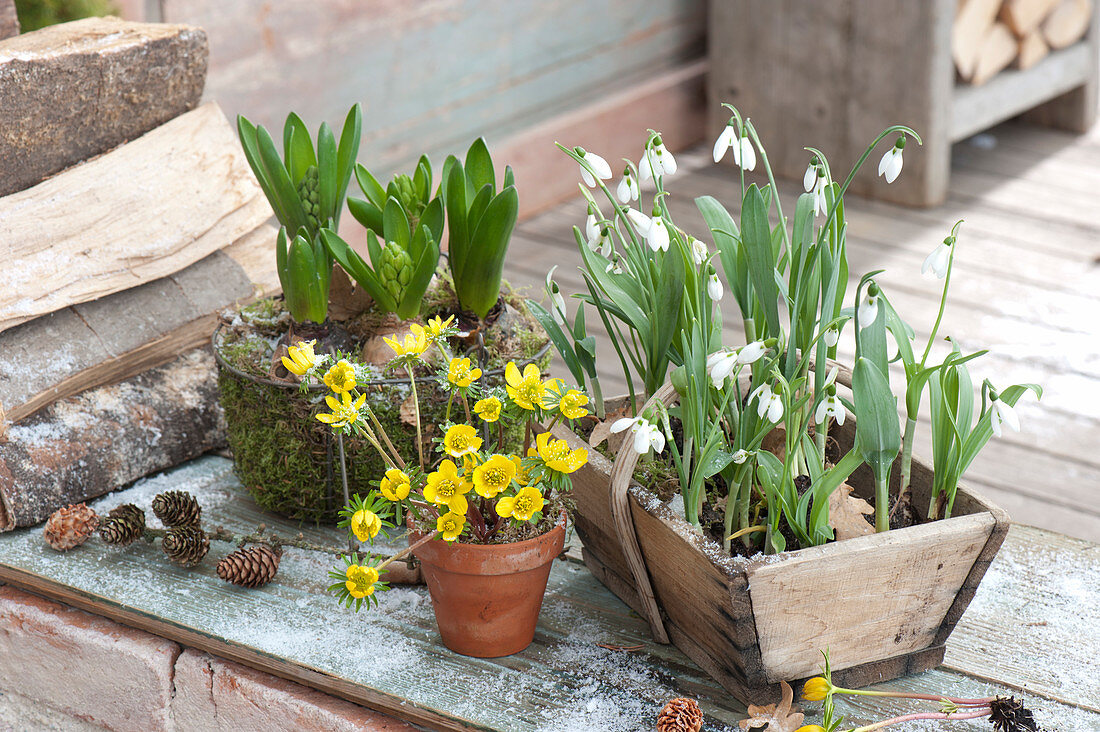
123	525
680	715
70	526
251	567
185	545
177	509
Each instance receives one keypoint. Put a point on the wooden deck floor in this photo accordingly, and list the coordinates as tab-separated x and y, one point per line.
1026	285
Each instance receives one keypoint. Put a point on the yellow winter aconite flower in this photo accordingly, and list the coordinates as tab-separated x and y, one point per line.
395	486
301	358
361	580
557	455
816	689
460	374
450	525
365	524
341	377
570	403
521	473
526	389
488	409
461	439
437	325
415	343
810	728
523	506
493	476
344	412
447	487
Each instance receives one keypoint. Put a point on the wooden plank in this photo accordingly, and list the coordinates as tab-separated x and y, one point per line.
84	446
72	91
563	681
541	59
997	50
1024	16
977	108
9	21
143	211
123	334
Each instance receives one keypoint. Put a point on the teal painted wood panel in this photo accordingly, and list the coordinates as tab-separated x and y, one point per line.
433	75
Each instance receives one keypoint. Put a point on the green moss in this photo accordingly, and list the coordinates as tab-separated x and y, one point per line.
35	14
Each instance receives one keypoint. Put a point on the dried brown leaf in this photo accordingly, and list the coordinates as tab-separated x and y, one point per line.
602	430
408	411
775	717
846	514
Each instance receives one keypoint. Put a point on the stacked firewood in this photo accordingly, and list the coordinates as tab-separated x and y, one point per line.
128	218
990	35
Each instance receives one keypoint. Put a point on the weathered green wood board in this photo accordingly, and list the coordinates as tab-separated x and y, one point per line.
432	76
391	658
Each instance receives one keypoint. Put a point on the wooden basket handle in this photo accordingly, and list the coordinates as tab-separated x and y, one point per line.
622	471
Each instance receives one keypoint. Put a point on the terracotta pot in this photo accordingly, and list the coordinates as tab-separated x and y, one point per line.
487	598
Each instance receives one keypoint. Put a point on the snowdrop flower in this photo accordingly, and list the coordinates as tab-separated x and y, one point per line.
831	337
656	160
714	287
740	457
744	154
821	205
868	309
830	406
628	187
809	180
768	402
598	165
938	260
657	236
602	241
890	165
752	352
725	141
1001	414
720	365
699	250
641	222
646	434
614	267
557	302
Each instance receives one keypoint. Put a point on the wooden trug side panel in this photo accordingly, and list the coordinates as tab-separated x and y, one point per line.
145	210
72	91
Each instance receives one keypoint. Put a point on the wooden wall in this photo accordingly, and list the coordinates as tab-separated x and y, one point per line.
434	74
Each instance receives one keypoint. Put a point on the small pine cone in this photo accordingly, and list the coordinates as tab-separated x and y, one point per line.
70	526
185	545
251	567
177	509
123	525
680	715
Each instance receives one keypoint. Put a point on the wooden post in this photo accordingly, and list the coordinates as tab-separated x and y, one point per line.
830	75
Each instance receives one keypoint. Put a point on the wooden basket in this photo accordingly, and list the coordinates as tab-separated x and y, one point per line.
883	605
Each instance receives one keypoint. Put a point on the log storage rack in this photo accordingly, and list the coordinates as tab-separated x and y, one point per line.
834	75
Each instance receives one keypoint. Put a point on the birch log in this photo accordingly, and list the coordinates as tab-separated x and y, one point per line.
72	91
143	211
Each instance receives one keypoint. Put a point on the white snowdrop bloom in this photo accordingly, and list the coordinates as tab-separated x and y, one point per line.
1002	414
714	287
598	166
744	154
656	160
831	337
591	226
720	365
740	457
767	402
642	223
724	142
937	261
613	267
628	187
809	179
559	307
657	236
699	250
830	406
868	311
821	204
646	434
752	352
602	242
890	165
665	159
